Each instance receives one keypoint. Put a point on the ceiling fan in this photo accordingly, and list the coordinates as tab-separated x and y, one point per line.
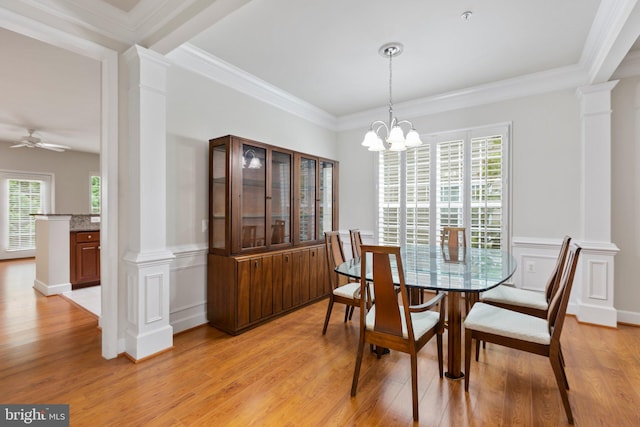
35	142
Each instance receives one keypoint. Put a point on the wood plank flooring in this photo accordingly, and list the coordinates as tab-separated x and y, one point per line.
286	373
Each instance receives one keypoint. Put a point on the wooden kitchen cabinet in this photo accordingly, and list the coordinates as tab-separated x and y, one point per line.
268	210
84	258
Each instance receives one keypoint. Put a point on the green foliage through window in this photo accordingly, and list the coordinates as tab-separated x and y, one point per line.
95	194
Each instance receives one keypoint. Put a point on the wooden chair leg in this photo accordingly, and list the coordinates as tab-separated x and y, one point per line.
346	313
440	356
326	319
351	308
560	380
356	372
414	385
467	358
478	349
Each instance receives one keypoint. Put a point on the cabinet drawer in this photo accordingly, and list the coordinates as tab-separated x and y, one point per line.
87	236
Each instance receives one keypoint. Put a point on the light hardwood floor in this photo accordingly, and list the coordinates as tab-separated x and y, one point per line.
286	373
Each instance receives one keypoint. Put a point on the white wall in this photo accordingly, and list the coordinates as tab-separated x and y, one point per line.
625	228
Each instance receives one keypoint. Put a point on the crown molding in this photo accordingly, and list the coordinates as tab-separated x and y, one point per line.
613	32
630	66
205	64
194	59
147	17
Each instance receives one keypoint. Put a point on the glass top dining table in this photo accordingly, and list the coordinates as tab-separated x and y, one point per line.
453	270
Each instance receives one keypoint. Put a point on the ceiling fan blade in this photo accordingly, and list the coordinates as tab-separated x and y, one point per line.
60	150
54	147
19	145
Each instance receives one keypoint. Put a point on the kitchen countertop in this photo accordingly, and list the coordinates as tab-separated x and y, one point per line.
80	222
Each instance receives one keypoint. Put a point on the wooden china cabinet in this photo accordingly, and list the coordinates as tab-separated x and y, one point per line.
268	210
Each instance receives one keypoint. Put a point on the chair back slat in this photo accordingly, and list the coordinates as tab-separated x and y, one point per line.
453	237
552	284
356	242
387	306
388	318
335	256
560	301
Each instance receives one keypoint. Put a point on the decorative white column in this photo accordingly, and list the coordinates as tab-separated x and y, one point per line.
147	258
595	278
52	254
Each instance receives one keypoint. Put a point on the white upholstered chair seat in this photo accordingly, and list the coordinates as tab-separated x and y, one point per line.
350	290
515	296
422	321
495	320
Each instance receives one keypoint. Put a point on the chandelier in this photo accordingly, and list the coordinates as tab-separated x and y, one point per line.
393	133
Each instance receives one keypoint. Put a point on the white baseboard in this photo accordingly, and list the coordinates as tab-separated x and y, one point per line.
628	317
49	290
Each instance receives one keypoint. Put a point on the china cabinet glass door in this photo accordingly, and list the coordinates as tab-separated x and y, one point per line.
253	215
218	194
307	192
326	197
280	197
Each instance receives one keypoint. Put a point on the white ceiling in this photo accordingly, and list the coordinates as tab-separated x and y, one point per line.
324	53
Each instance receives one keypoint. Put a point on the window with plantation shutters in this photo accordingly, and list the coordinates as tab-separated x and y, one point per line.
21	196
456	179
25	198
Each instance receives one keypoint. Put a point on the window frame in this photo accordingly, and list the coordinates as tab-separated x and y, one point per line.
504	130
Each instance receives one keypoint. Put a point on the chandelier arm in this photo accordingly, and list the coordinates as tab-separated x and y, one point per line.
379	124
401	122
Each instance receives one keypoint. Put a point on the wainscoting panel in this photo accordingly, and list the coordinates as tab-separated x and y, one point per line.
536	259
188	296
598	279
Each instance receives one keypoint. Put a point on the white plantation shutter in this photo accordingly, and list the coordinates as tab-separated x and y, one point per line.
486	192
418	218
450	183
456	179
389	198
25	198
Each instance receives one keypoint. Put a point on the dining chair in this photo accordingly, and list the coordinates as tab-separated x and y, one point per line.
453	237
249	236
277	231
343	290
453	241
526	301
389	324
356	242
526	332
